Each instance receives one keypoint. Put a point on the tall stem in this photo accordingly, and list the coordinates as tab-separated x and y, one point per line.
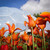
14	44
42	43
29	47
36	42
44	38
0	40
11	39
26	45
32	37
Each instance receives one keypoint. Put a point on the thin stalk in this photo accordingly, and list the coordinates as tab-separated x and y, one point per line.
42	43
44	39
14	44
32	37
0	40
36	43
11	39
26	45
29	47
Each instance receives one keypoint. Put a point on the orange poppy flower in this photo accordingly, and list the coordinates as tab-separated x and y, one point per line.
45	15
12	28
31	22
2	31
41	26
41	22
8	39
17	29
16	43
4	39
35	31
25	36
30	41
15	36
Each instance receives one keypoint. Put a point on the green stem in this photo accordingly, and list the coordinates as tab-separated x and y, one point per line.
42	43
29	47
0	43
26	47
36	42
14	44
0	40
11	39
32	37
44	38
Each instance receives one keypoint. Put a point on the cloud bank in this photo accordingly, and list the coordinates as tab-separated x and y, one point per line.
33	6
13	15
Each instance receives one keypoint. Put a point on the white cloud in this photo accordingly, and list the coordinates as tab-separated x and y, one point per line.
12	15
47	26
33	6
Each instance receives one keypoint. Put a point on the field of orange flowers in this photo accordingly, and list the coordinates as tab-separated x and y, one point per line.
37	40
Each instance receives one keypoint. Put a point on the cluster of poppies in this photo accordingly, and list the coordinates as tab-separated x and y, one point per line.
38	39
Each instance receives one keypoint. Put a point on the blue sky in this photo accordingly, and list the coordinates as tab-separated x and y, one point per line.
12	3
11	8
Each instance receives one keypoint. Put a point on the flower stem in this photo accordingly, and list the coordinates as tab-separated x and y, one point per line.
14	44
0	40
42	43
11	39
29	47
26	47
36	43
32	37
44	38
